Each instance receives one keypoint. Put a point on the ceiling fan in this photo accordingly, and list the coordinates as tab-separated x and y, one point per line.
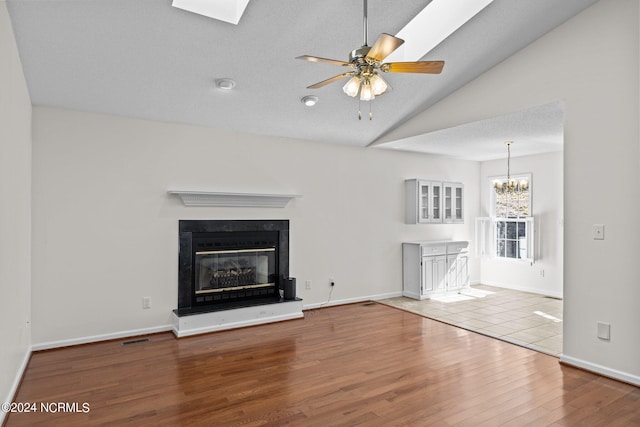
367	63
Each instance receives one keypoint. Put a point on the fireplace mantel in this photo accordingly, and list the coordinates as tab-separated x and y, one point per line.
212	198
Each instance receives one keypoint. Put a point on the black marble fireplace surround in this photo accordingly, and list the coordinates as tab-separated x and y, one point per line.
205	286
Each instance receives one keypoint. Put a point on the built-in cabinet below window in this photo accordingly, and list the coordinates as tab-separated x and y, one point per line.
433	202
434	267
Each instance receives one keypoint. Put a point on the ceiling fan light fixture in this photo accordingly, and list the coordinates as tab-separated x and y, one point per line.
352	87
378	85
366	92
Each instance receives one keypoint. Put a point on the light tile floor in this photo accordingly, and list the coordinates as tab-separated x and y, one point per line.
526	319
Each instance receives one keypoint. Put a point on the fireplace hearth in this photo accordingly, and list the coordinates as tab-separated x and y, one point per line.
227	264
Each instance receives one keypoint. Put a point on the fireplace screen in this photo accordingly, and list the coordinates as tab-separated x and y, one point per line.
228	270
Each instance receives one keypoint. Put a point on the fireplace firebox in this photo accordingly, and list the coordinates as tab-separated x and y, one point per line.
226	264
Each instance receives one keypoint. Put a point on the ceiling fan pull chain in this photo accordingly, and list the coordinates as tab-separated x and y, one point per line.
359	110
370	112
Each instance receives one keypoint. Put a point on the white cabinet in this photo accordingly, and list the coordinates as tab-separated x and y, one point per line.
433	201
458	272
423	201
453	202
434	270
434	267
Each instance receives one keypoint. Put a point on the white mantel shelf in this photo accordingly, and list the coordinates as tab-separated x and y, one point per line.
209	198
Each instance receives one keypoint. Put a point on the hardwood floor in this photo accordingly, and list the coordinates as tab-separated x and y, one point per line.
361	364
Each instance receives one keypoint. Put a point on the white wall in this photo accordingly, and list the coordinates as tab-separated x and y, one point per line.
546	207
106	231
15	212
591	64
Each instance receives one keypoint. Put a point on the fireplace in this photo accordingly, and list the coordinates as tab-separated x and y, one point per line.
226	264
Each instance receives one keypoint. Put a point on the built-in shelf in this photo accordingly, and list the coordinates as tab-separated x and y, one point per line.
209	198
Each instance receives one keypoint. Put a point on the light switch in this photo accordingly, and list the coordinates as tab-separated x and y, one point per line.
598	231
604	331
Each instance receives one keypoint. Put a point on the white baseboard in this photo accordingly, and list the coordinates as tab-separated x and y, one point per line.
601	370
522	288
413	295
352	300
164	328
16	383
95	338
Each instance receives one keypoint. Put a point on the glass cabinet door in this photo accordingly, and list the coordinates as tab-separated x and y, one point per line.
436	202
424	201
458	203
453	202
429	201
447	202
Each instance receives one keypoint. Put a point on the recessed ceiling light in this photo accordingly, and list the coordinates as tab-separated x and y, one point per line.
225	84
309	100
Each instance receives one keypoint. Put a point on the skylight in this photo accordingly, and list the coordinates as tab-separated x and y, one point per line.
432	25
224	10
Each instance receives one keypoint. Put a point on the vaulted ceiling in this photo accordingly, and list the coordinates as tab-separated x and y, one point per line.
147	59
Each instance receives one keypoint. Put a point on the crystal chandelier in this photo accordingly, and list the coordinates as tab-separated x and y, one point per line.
510	186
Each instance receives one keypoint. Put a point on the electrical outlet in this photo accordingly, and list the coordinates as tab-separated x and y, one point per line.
307	284
146	302
332	281
542	272
598	231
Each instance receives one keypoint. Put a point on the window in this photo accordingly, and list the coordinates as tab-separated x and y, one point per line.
509	233
511	238
513	226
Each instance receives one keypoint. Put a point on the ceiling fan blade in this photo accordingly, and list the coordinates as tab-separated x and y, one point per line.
330	80
426	67
318	59
383	47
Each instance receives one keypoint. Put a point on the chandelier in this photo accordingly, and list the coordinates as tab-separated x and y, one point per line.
510	186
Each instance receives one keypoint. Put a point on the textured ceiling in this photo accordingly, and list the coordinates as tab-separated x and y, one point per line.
146	59
535	130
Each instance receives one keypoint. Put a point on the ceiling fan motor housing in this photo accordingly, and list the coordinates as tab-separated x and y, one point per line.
358	55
